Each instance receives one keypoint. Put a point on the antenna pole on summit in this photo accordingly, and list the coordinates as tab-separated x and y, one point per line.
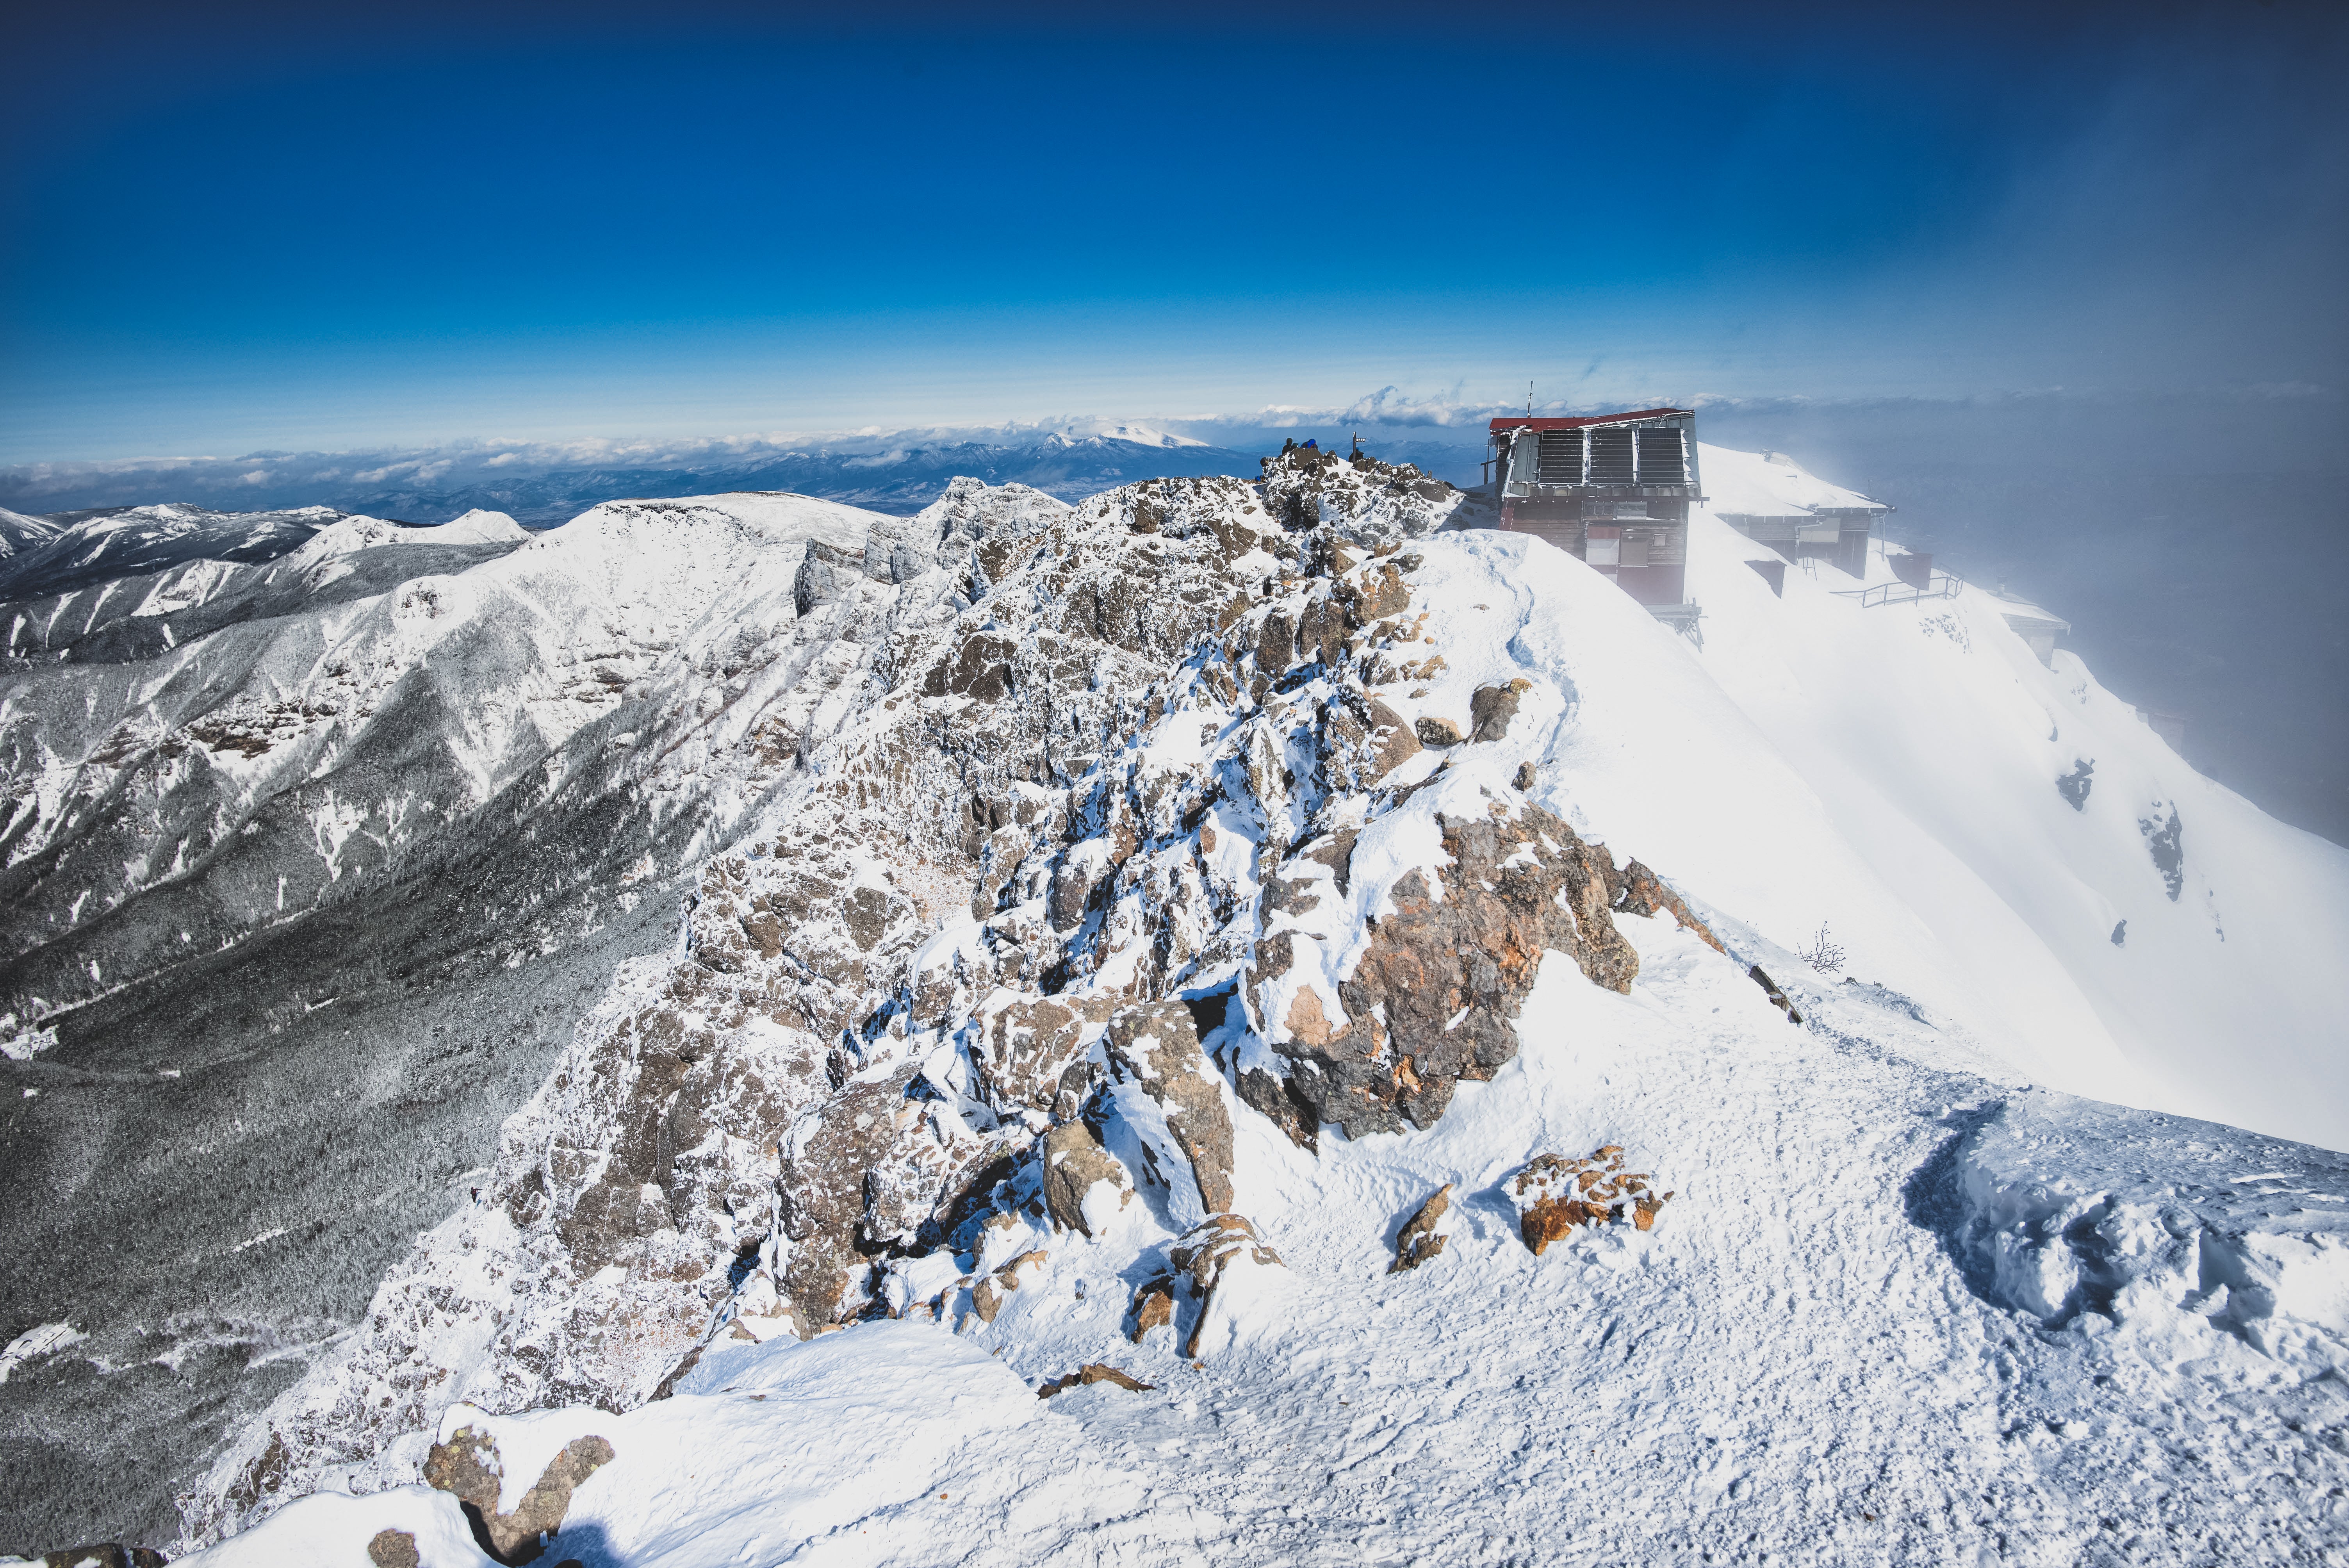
1529	399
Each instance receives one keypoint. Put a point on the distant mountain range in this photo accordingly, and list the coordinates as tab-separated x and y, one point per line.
544	485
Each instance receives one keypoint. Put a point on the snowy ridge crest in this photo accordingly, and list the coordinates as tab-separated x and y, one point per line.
1159	954
1186	886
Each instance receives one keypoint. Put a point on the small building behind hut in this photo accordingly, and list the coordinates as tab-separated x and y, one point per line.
1774	501
2043	629
1614	490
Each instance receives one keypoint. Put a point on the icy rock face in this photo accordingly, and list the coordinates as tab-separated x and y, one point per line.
1379	504
2172	1231
1154	1052
1084	1186
1433	994
1219	1258
1216	1260
1106	757
466	1464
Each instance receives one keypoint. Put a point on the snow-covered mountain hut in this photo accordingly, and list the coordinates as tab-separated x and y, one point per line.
1774	501
1614	490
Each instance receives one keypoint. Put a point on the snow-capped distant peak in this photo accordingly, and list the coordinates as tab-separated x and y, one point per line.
361	533
1125	430
478	526
19	531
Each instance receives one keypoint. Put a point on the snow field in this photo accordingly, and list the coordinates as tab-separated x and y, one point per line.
1789	1367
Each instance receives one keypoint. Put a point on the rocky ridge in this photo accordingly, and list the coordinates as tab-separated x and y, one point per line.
1116	840
330	869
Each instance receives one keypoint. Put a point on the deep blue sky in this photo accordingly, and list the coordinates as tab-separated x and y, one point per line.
285	228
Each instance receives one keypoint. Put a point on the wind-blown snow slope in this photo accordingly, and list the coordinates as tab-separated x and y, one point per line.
1891	773
1932	741
1108	920
1806	1360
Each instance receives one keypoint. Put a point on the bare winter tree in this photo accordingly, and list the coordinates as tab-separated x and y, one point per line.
1822	955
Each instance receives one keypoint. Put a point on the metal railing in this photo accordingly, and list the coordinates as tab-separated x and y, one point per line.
1682	617
1939	585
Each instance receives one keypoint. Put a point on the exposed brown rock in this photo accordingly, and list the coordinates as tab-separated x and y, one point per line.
1074	1162
981	668
1556	1196
1275	646
1418	1240
1437	732
392	1549
1153	1306
1335	850
988	1296
466	1467
1321	630
1092	1372
1526	776
1025	1049
1156	1048
1644	892
1449	976
1206	1252
1379	592
1392	741
1492	707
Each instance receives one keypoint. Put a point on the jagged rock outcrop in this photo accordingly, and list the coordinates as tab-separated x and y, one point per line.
1420	1240
1640	891
1078	1171
1153	1306
1555	1196
467	1465
1434	997
1179	1113
987	1295
1208	1259
1090	1373
1492	709
1378	502
1100	759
